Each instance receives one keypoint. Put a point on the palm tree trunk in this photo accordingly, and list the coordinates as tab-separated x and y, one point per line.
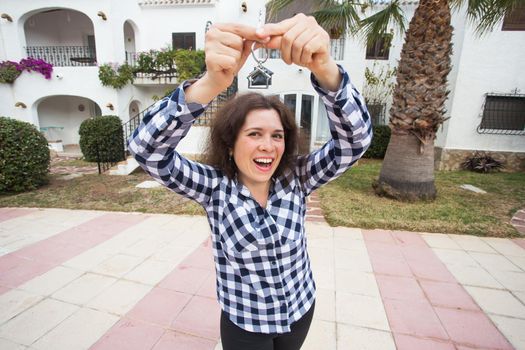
409	173
418	104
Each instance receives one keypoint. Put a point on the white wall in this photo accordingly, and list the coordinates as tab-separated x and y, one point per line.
493	63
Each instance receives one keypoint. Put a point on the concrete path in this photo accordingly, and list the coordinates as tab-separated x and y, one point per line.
101	280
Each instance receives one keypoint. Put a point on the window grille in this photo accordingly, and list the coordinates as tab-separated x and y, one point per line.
515	20
503	114
379	49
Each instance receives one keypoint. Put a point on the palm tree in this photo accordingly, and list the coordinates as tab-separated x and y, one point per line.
417	109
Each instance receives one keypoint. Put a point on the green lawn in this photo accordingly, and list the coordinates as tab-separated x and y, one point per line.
350	201
103	192
347	201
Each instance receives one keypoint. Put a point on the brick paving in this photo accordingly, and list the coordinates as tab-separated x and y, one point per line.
96	280
314	213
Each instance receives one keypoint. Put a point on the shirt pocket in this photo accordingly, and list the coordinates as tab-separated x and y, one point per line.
240	231
289	217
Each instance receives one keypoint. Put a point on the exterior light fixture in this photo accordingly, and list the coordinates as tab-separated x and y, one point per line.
102	15
20	104
110	106
6	17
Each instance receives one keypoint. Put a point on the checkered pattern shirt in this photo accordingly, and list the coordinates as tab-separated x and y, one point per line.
264	279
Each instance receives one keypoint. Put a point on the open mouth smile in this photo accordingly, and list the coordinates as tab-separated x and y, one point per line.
264	163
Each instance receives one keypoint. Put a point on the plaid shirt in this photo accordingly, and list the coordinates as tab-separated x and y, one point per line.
264	279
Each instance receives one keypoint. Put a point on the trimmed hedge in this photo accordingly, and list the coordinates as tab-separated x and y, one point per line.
102	135
24	156
380	142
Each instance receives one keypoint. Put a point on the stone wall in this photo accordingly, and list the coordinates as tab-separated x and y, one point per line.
451	159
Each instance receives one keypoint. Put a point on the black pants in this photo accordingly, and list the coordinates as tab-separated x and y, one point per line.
235	338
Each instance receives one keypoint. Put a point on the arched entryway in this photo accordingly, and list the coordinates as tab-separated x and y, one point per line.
130	45
134	108
62	37
59	117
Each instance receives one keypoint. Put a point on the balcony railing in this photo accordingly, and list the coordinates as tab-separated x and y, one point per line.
161	75
64	56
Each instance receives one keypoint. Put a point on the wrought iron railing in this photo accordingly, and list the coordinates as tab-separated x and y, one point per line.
102	162
64	56
164	73
204	120
214	106
503	114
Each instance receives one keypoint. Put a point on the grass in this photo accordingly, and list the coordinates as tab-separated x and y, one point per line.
103	192
347	201
74	162
350	201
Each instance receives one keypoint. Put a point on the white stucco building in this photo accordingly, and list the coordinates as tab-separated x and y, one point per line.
76	36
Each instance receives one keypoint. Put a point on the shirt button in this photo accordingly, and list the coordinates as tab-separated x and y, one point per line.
274	263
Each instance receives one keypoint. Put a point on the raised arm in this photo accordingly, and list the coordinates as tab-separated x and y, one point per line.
153	143
303	42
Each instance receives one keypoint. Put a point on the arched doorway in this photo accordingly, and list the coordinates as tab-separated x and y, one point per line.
134	108
129	42
59	117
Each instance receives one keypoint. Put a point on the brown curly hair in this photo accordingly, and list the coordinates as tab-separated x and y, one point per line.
230	118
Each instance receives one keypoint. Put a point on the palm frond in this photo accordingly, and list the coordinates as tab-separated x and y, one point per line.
486	14
339	18
375	26
274	6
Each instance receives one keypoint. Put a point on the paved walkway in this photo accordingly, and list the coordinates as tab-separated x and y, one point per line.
101	280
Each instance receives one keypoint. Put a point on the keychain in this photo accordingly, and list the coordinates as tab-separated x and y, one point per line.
260	77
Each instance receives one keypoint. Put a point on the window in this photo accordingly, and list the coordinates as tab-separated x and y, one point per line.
377	112
183	41
515	20
379	50
337	50
503	114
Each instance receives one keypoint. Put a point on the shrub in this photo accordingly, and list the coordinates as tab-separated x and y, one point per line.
181	63
189	64
102	135
31	64
9	71
380	142
114	75
482	163
24	156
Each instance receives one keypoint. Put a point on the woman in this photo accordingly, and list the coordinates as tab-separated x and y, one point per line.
254	187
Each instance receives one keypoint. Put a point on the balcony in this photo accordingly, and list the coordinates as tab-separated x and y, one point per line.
62	37
64	56
164	75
